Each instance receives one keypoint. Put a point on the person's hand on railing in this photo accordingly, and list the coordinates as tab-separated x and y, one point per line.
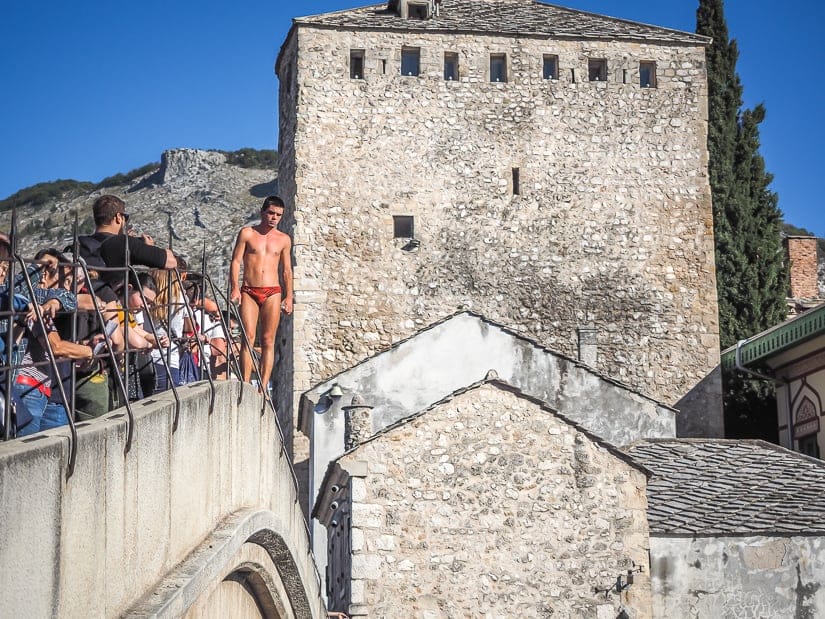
50	308
235	295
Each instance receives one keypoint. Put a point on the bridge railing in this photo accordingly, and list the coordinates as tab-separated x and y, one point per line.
117	358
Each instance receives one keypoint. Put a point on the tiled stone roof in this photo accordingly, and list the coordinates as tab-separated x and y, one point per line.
523	17
714	487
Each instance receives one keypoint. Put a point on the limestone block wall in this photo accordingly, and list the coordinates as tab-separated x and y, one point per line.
488	505
766	577
612	225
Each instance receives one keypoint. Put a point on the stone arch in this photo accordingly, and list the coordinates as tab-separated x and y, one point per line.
246	561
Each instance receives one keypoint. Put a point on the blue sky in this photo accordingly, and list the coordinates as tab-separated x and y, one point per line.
93	88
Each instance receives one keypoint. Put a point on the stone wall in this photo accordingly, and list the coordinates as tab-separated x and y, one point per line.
612	225
489	505
764	577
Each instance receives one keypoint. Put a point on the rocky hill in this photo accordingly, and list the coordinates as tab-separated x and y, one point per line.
195	199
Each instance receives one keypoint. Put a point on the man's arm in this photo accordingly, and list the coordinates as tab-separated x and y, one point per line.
235	266
286	262
68	350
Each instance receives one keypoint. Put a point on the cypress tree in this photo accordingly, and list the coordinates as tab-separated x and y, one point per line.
750	269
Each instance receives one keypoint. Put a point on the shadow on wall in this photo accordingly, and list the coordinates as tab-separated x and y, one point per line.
263	190
700	410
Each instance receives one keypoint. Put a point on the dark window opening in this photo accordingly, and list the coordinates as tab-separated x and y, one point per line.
647	74
450	67
809	446
624	76
403	227
356	64
418	11
383	66
550	68
498	67
516	182
597	70
573	75
410	61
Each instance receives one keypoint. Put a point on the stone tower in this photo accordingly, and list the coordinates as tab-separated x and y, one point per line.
544	167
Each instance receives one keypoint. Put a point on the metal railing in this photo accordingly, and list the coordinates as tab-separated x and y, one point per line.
116	358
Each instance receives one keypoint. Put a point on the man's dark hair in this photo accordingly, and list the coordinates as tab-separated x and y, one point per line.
272	201
147	281
5	249
51	251
105	209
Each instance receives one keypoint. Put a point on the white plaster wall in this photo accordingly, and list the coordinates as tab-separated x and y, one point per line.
738	577
459	352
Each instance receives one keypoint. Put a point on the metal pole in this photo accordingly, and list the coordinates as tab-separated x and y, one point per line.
55	370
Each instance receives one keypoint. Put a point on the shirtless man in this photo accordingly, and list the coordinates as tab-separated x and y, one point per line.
262	248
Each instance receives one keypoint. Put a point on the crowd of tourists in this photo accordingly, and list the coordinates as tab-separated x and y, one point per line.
85	339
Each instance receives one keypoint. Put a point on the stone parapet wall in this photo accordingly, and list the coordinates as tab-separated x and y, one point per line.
488	505
100	543
612	227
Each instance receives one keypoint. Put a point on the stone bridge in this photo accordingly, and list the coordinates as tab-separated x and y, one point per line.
202	520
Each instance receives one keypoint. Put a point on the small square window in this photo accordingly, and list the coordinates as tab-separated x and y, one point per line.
647	74
403	227
356	64
418	11
597	69
498	67
450	67
410	61
550	67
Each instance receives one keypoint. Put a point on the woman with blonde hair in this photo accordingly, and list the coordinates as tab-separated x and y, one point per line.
167	314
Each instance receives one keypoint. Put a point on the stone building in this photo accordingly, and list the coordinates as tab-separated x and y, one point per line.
737	529
486	504
541	166
792	356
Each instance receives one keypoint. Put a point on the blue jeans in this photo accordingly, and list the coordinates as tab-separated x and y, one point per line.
54	416
161	384
33	402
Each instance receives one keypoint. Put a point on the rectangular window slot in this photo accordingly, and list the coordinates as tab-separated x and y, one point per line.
418	11
573	75
597	69
356	64
550	67
647	74
410	61
403	227
451	67
624	76
498	67
516	182
383	66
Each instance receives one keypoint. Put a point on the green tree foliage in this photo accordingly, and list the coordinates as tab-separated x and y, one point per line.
750	268
43	193
252	158
125	179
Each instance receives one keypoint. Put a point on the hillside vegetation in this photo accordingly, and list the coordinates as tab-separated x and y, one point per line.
67	189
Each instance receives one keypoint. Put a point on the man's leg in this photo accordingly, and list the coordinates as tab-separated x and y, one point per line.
270	317
249	318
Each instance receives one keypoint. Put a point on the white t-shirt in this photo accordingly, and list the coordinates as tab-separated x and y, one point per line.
176	326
